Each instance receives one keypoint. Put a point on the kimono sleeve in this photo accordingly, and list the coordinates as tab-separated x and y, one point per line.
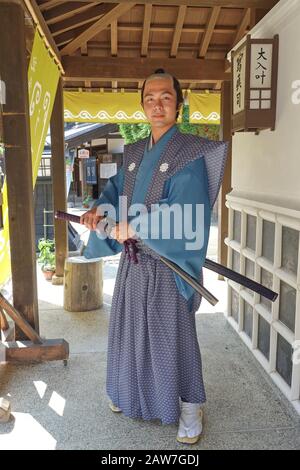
98	246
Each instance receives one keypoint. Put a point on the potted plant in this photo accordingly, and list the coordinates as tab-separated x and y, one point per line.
46	257
86	201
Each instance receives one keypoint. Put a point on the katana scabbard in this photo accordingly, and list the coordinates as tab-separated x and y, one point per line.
208	264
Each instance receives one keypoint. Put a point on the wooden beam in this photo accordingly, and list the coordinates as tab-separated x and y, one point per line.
97	27
203	3
50	4
135	69
209	31
114	37
69	35
38	19
16	132
241	31
75	21
19	320
26	351
84	49
68	10
59	182
178	30
225	134
253	18
3	321
146	30
7	332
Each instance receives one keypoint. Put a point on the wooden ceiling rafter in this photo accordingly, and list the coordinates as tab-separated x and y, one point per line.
80	19
264	4
93	30
178	30
114	37
67	10
222	48
50	4
126	69
166	28
245	21
146	30
69	35
213	18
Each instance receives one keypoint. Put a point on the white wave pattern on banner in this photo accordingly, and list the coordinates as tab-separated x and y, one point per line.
197	116
105	116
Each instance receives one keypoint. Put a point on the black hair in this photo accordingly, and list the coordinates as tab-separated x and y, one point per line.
176	86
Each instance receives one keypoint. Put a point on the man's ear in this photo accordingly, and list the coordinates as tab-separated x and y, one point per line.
179	107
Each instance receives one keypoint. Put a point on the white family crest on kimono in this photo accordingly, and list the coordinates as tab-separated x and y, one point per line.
163	167
131	167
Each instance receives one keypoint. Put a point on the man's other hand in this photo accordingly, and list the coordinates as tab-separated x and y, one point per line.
90	219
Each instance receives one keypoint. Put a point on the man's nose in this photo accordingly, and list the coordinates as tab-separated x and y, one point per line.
158	104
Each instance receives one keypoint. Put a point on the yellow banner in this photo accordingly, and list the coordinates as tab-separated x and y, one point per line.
4	241
43	77
205	108
103	107
125	107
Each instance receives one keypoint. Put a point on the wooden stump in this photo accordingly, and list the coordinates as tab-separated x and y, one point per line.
83	284
5	409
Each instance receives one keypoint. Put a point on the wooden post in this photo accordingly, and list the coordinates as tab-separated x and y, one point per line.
59	182
225	134
16	132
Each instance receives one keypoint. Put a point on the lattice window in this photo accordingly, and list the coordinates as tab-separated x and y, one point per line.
265	246
45	167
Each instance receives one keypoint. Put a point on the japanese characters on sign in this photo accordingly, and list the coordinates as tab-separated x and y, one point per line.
254	85
239	76
261	65
83	153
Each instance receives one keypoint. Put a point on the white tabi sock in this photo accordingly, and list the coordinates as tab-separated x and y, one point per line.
190	421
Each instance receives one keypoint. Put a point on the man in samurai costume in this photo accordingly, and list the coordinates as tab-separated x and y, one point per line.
154	368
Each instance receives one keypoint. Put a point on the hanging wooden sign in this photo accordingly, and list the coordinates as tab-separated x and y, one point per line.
254	85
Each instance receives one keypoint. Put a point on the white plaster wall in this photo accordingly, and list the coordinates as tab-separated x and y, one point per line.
267	167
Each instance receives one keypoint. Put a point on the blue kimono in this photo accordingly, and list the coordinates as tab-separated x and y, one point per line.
153	356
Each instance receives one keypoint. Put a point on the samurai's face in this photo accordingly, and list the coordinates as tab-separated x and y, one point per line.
160	102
